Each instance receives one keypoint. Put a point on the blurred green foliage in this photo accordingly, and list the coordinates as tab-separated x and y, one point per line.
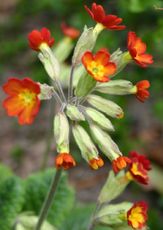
22	196
36	187
11	201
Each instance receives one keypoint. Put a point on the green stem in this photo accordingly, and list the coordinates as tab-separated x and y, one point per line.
91	227
93	219
49	199
70	88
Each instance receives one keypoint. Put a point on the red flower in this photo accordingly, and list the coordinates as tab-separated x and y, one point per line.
98	65
142	93
109	21
139	167
65	161
120	163
70	31
96	163
36	38
137	50
137	215
23	100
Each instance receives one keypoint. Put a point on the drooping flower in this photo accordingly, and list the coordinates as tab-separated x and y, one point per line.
96	163
139	167
37	38
109	21
65	161
70	32
23	100
137	50
98	65
142	90
137	215
120	163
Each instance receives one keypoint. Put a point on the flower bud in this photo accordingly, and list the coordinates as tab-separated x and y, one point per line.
123	61
120	163
85	84
99	119
46	91
86	146
19	227
113	214
115	87
50	62
73	113
63	49
104	142
106	106
116	56
65	161
86	42
61	132
96	163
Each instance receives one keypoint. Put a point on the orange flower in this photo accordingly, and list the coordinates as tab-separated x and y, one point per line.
142	93
96	163
120	163
137	50
137	215
70	31
36	38
23	100
109	21
139	168
65	161
98	65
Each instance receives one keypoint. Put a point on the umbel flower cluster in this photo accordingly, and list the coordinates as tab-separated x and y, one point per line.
90	73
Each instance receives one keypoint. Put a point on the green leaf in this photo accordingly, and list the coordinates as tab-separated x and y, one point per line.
11	201
113	187
29	222
79	218
37	186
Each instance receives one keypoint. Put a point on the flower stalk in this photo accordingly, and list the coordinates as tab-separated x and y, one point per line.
49	199
70	88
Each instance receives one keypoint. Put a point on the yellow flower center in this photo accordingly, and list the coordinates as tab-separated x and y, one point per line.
96	69
136	217
135	170
27	97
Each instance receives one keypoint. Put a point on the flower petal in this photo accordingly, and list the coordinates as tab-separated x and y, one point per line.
13	86
87	58
98	12
13	105
110	68
31	85
27	115
102	57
